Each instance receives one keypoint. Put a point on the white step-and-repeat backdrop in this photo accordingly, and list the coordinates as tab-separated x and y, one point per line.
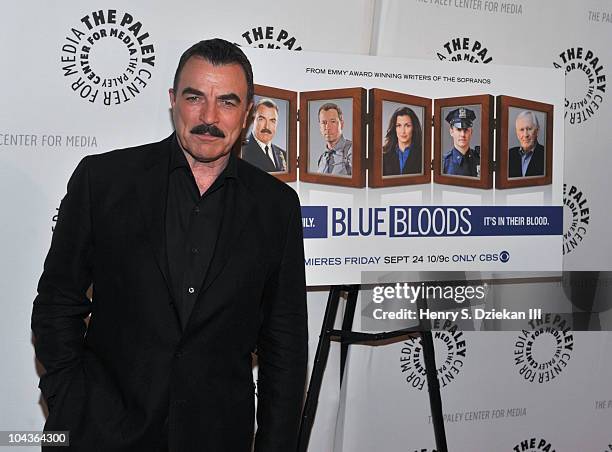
53	113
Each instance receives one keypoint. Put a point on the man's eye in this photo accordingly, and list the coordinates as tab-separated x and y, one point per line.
228	103
193	99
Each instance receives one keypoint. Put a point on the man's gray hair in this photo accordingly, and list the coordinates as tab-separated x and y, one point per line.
531	115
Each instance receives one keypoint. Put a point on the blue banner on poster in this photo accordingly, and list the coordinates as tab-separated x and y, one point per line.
431	221
314	222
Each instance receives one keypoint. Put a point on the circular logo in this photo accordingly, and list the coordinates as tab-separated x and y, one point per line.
542	353
464	49
534	445
450	350
576	217
108	58
270	37
585	83
504	256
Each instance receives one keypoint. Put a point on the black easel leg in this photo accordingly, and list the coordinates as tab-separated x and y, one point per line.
433	385
318	368
347	325
322	354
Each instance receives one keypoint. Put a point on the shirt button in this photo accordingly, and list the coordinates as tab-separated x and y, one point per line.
191	290
195	250
196	210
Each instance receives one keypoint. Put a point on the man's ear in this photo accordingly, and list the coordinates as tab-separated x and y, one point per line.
172	97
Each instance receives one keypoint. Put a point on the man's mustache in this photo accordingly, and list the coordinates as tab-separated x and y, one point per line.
264	130
211	129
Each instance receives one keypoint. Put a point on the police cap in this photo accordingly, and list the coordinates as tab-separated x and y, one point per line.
461	118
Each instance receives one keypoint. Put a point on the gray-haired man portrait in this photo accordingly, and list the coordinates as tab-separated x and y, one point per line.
528	158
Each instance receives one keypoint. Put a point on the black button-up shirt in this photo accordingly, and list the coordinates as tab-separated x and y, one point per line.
193	222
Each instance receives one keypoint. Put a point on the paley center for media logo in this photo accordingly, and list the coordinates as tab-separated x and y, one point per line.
466	50
108	57
578	216
534	445
269	37
543	352
586	83
450	347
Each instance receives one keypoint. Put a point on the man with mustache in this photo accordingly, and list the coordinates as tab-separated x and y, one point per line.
528	158
196	262
461	160
260	151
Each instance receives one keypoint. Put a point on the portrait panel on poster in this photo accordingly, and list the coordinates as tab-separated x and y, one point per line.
270	142
332	137
524	144
529	137
461	140
400	139
403	134
463	143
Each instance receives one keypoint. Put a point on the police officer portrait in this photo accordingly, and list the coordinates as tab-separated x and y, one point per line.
267	139
330	137
526	143
461	143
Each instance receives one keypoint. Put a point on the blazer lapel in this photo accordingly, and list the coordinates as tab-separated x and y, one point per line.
152	191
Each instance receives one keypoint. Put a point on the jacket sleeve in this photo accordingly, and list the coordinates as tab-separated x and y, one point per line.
283	348
61	306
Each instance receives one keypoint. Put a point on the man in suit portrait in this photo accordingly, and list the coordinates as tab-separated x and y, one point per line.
402	150
528	158
337	158
259	150
195	260
462	159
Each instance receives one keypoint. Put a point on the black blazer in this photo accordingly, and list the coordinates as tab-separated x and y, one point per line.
252	153
413	165
133	372
536	164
